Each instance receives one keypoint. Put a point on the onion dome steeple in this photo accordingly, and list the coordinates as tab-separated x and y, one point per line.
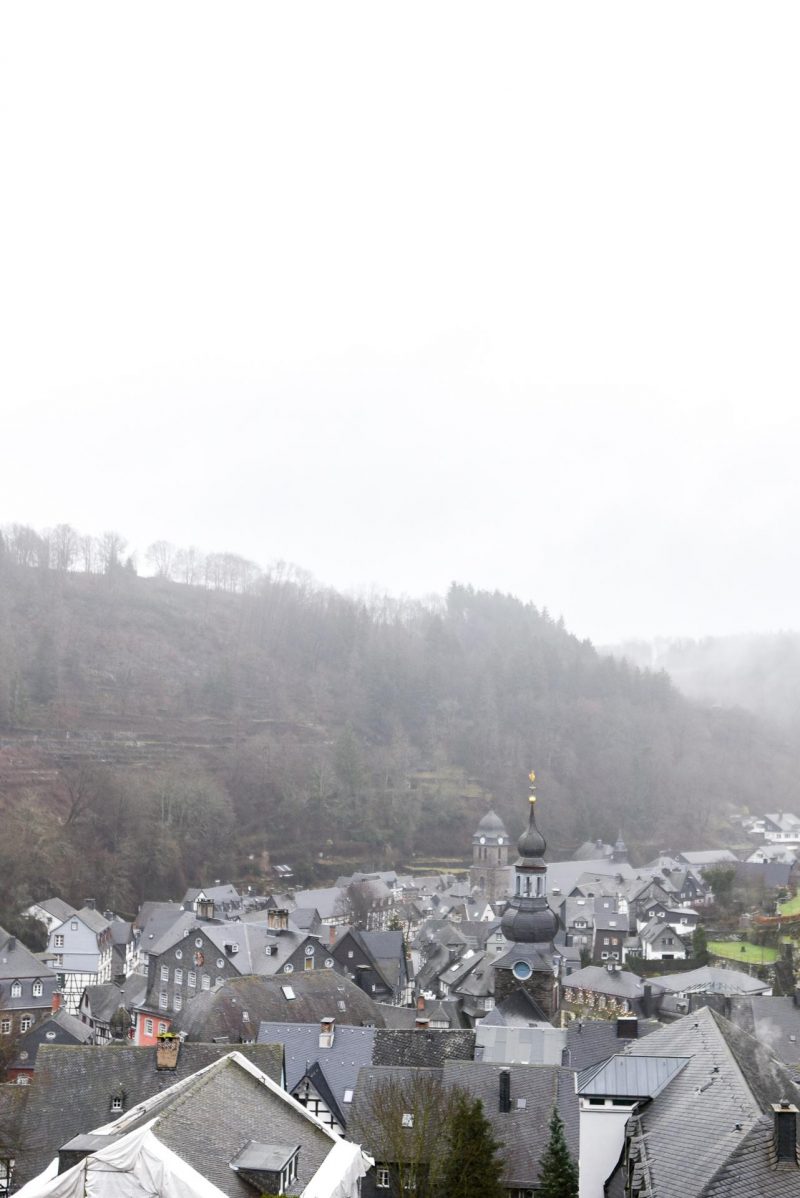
527	918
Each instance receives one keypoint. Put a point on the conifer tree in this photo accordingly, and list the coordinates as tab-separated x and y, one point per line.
558	1175
470	1168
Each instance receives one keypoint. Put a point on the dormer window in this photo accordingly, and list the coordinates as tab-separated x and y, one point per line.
117	1102
16	989
38	989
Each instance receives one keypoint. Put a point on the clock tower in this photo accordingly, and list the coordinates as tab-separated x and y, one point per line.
489	874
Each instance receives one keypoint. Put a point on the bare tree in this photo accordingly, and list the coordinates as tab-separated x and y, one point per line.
189	566
88	553
63	547
110	548
402	1121
161	556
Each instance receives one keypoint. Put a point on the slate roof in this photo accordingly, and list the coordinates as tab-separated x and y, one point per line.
17	961
590	1041
240	1107
56	907
318	994
518	1009
710	979
93	919
13	1101
331	901
773	1020
750	1171
438	1009
60	1028
426	1047
352	1048
619	982
106	1000
708	857
74	1085
524	1130
691	1129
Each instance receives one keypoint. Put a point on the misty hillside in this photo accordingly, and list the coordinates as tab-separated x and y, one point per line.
154	734
759	672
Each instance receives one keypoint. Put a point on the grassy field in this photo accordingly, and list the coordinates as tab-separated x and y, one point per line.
753	954
792	907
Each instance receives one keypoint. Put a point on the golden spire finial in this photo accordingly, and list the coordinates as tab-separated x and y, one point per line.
532	780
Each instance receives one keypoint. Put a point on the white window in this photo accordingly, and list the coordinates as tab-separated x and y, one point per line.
73	925
605	940
26	1023
165	972
309	950
116	1102
288	967
177	1002
38	989
162	1027
348	1096
178	977
162	1000
329	962
5	1027
192	978
218	981
220	963
288	992
604	956
198	942
350	953
341	1004
382	1178
206	982
408	1119
16	989
148	1027
178	954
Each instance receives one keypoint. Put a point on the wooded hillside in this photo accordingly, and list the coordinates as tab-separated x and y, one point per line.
154	734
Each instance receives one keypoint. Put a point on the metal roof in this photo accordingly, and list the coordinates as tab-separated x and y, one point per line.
629	1076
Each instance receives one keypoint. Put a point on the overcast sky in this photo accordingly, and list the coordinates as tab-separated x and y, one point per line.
502	293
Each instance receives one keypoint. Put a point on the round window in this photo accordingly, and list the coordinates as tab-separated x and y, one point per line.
49	1035
309	950
329	962
499	839
198	942
220	963
483	840
521	970
288	968
178	954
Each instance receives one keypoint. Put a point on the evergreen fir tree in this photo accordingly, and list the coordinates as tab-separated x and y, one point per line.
558	1174
470	1168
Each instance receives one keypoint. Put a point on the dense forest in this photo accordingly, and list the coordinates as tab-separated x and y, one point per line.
155	733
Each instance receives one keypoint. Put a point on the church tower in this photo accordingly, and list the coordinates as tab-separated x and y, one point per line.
532	962
489	874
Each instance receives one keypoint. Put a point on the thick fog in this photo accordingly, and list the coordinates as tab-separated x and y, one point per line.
405	295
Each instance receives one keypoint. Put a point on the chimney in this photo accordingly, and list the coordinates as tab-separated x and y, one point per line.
647	1000
55	1004
422	1022
797	996
505	1091
627	1027
332	935
89	903
204	908
785	1131
167	1049
421	1002
278	919
11	944
326	1032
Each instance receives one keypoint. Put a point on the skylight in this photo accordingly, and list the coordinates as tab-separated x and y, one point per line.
288	992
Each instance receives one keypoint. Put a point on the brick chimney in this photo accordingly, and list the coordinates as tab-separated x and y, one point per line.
167	1049
55	1002
332	935
327	1032
784	1140
278	919
90	902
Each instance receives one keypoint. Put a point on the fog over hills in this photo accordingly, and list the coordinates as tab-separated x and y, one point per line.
759	672
153	733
